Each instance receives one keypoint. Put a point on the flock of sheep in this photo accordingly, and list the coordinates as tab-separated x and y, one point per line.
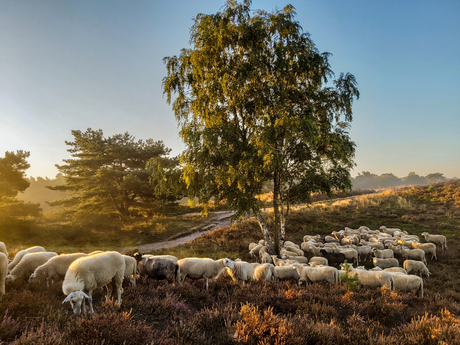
315	259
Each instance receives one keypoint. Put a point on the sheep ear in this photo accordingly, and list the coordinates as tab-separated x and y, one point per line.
67	299
85	295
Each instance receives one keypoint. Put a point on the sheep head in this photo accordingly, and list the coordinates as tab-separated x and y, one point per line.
229	263
76	299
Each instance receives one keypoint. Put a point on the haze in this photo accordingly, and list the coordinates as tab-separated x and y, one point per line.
68	65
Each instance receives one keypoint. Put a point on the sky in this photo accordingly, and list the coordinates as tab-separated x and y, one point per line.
79	64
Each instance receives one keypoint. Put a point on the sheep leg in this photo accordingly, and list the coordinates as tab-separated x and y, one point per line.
90	301
109	288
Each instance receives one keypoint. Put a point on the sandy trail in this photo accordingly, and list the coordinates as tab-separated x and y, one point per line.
221	221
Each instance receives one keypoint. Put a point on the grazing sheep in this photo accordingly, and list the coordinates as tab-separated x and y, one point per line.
316	238
3	273
286	273
296	250
351	255
414	266
333	258
55	268
383	254
390	231
28	264
91	272
395	270
158	267
264	272
315	274
130	269
373	279
287	252
428	248
385	263
277	261
264	256
439	240
310	249
297	258
319	260
3	249
254	252
408	283
376	245
17	258
202	268
364	252
411	254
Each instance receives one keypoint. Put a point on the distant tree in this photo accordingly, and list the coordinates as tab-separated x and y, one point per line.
435	178
414	179
388	180
12	182
108	175
365	180
254	104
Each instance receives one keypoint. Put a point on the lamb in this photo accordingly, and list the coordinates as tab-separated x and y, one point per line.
383	254
315	274
374	279
130	269
198	268
416	267
411	254
54	268
385	263
439	240
91	272
17	258
158	267
409	283
29	262
428	248
3	249
286	273
3	273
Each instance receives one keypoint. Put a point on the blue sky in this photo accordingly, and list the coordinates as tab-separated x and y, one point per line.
79	64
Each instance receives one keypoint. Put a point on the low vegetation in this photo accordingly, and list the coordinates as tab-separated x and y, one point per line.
156	312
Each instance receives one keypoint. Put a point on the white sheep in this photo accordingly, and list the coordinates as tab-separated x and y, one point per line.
414	266
254	252
364	252
264	272
428	248
315	274
411	254
3	249
318	260
241	270
396	270
264	256
3	273
277	261
310	249
351	255
130	269
408	282
376	245
390	231
383	254
29	262
19	255
385	263
373	279
300	259
202	268
91	272
55	268
439	240
316	238
286	273
294	249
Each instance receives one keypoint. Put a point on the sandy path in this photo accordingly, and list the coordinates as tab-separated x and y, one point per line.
221	221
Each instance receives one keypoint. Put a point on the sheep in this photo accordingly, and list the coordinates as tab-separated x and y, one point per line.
286	273
373	279
376	245
296	250
319	260
288	252
130	269
17	258
91	272
385	263
158	267
315	274
350	254
300	259
3	249
197	268
428	248
3	273
54	268
29	262
390	231
310	249
364	252
264	256
316	238
277	261
333	258
411	283
254	252
383	254
291	244
242	270
416	267
264	272
396	270
439	240
411	254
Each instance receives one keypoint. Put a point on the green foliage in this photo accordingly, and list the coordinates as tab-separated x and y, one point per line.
108	175
255	105
351	282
